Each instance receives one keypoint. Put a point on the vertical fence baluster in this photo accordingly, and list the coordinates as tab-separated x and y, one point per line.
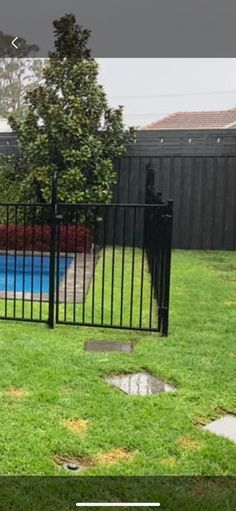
103	262
23	261
158	271
53	211
58	259
66	263
155	265
151	243
15	262
32	265
75	266
167	269
161	275
144	212
122	268
95	216
6	262
113	261
85	259
132	270
41	264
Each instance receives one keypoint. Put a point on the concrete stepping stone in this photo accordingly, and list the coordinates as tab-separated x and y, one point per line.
226	427
106	346
139	384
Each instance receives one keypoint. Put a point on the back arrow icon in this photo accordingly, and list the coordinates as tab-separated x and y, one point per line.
13	42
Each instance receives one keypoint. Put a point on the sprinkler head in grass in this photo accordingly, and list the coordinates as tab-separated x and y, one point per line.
73	467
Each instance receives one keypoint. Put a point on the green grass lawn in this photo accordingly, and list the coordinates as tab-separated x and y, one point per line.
46	378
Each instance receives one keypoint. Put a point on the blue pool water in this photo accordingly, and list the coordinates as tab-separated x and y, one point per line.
18	273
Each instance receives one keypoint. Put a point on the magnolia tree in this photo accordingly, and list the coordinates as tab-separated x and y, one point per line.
68	125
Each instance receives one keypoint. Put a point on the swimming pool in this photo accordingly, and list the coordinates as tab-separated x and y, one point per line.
28	273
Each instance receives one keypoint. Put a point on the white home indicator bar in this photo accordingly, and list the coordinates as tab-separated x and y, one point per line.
118	504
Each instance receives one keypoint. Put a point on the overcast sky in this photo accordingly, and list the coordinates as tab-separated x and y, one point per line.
172	84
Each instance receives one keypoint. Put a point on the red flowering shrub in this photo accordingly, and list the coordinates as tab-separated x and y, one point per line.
72	238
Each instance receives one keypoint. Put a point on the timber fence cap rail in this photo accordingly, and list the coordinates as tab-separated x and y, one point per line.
112	205
82	204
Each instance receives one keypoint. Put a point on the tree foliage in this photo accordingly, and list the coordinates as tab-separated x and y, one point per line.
68	125
17	73
17	76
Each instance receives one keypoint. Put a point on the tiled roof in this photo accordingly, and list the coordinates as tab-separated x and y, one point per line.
195	120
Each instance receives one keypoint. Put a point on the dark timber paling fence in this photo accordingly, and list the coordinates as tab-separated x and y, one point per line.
197	169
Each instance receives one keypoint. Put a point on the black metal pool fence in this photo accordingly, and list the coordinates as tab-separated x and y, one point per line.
103	265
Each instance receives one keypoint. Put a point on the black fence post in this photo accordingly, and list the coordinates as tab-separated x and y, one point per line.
158	243
165	298
51	316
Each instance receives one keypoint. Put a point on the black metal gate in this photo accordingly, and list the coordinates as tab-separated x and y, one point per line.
103	265
119	274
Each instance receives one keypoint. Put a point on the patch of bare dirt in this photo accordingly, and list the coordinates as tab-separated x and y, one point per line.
78	426
114	456
108	458
186	442
16	392
169	462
